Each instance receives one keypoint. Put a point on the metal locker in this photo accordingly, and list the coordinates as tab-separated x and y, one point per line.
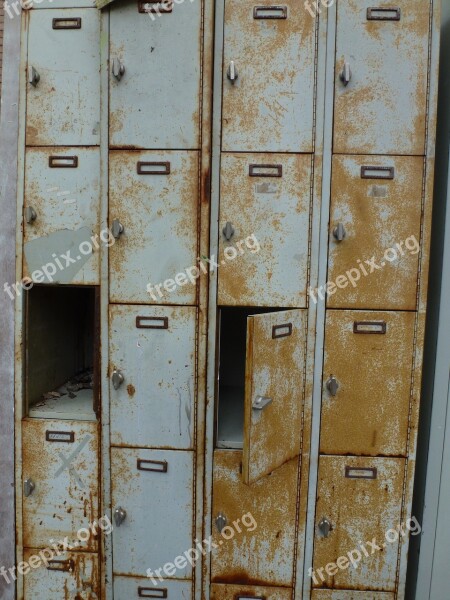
152	499
349	595
70	575
63	4
376	211
249	592
359	500
367	379
127	588
268	77
60	482
264	224
381	77
265	555
155	74
152	369
153	207
61	214
63	84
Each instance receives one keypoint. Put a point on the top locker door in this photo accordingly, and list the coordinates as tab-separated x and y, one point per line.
155	72
381	76
268	77
63	81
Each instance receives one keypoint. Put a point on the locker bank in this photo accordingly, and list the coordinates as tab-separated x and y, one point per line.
220	221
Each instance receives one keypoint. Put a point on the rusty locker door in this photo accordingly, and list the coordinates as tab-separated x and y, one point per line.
367	382
263	552
155	79
268	77
359	500
128	588
61	214
63	83
61	478
264	229
152	369
350	595
153	207
249	592
381	76
274	391
376	209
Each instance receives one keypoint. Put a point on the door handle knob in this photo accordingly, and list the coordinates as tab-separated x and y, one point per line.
28	487
221	522
118	69
120	514
261	402
333	385
346	74
33	76
30	214
117	379
339	232
228	231
324	527
232	73
117	229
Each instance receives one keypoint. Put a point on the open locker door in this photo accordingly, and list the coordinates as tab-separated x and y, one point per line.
274	391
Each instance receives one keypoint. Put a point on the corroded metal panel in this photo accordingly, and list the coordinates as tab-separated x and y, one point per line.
362	500
269	107
246	592
154	350
70	576
155	196
62	186
61	458
267	199
126	588
275	370
378	200
264	556
368	415
156	104
155	488
63	106
350	595
381	77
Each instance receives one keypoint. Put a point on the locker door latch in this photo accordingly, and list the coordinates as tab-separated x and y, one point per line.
221	522
261	402
346	74
232	73
228	231
33	76
30	214
28	487
333	385
117	69
117	229
339	232
117	379
324	527
120	514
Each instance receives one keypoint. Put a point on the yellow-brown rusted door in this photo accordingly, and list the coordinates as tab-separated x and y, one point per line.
249	592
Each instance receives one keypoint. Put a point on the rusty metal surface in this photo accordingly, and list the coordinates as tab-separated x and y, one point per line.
159	216
359	511
270	106
349	595
383	108
82	583
276	211
276	346
236	592
66	476
377	214
369	414
126	588
264	556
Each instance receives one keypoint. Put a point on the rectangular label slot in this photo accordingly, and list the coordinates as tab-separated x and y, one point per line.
68	437
146	592
281	331
383	14
265	171
361	473
158	466
66	23
153	168
270	12
155	6
63	162
152	322
368	172
61	565
377	327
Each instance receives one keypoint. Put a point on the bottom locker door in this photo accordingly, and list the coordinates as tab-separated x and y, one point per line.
152	494
71	576
350	595
257	544
359	503
128	588
247	592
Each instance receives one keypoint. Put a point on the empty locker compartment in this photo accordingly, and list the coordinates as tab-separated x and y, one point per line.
61	356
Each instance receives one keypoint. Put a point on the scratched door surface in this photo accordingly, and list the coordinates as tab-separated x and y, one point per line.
154	350
350	595
60	457
382	52
246	592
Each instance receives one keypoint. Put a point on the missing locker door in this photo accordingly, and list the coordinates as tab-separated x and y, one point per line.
61	355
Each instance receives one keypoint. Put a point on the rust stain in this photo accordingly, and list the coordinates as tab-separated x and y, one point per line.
131	390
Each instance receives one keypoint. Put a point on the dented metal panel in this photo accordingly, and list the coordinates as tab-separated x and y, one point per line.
381	77
378	201
267	200
156	103
268	104
370	410
61	460
135	587
264	555
155	197
155	488
350	595
62	187
69	576
362	499
63	100
247	592
275	367
154	350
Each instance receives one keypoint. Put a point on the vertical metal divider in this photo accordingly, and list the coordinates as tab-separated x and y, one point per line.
324	141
